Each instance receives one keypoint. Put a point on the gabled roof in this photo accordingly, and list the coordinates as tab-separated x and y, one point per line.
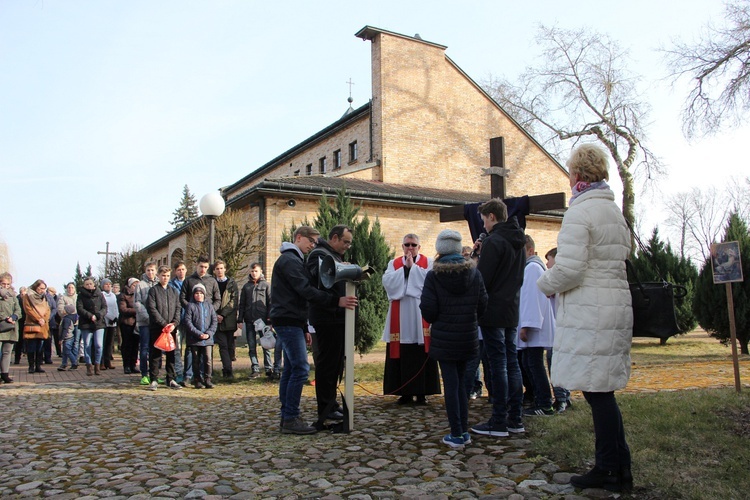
342	122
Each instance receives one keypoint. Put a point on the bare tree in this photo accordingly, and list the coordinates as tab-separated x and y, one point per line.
718	66
583	90
698	217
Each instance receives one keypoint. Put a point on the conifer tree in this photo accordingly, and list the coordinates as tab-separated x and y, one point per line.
187	211
710	303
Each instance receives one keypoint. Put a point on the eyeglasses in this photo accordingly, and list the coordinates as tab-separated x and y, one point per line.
313	241
411	244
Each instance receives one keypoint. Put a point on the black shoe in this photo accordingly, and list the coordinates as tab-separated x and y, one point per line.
74	367
421	401
601	478
198	385
297	426
335	415
127	370
405	400
560	406
209	385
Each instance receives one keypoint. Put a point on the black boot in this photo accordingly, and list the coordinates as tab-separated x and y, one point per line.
38	363
30	356
599	478
6	378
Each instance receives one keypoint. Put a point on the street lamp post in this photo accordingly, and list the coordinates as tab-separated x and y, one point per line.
212	205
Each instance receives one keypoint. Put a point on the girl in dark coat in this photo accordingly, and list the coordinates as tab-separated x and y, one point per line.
91	307
453	298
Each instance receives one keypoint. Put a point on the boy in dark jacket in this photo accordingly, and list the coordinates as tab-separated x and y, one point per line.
67	336
163	309
200	324
255	304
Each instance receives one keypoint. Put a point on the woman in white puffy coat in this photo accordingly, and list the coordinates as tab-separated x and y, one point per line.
594	316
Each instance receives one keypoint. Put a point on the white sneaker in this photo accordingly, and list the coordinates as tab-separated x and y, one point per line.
174	385
154	385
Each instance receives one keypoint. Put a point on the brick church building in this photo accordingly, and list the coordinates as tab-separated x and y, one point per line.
418	146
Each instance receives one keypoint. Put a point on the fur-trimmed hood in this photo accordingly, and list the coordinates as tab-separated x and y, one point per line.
456	277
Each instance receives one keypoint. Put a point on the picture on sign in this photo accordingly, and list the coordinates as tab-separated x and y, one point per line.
725	262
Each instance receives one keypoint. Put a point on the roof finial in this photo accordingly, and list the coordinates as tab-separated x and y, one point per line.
350	100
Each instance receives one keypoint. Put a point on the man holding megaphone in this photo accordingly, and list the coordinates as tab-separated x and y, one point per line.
292	290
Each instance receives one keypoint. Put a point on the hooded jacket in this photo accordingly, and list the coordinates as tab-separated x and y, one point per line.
255	301
501	264
453	298
126	306
140	297
200	318
317	314
213	295
292	290
9	308
594	313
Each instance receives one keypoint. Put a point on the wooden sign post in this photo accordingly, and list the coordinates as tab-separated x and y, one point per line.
727	268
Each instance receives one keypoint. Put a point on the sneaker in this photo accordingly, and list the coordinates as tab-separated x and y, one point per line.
255	374
72	367
208	384
467	438
174	385
516	428
454	441
473	395
297	426
153	386
489	429
335	415
198	385
538	412
145	380
62	368
161	380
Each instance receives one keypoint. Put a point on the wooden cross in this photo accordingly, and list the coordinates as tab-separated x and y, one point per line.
498	173
106	254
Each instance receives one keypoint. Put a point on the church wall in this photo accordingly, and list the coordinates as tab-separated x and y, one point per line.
434	120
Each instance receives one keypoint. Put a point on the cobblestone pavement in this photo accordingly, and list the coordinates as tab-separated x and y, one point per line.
65	435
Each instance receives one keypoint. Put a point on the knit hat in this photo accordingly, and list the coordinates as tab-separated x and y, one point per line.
132	280
448	241
105	281
200	287
70	309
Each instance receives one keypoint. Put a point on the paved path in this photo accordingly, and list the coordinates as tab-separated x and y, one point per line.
65	435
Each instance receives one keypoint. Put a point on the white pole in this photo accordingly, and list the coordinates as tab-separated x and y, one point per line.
351	289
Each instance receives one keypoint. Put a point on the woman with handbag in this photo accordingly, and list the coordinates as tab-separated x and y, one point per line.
594	317
10	311
36	325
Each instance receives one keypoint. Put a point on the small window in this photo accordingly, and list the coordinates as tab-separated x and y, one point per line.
337	159
308	169
322	165
352	151
296	173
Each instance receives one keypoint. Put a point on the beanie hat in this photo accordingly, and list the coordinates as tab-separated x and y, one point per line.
70	309
200	286
105	281
448	242
132	280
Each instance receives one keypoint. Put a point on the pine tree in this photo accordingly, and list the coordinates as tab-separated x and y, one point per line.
78	277
710	303
187	211
125	265
369	248
660	262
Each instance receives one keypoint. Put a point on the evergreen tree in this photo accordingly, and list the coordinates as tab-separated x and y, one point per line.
710	303
124	265
369	248
187	211
660	262
78	277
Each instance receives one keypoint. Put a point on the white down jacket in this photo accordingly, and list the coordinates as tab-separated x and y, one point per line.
594	315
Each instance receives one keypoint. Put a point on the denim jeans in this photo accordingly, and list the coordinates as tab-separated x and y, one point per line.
473	380
252	344
505	375
98	337
76	346
69	352
144	345
296	370
534	364
612	451
561	393
456	397
178	363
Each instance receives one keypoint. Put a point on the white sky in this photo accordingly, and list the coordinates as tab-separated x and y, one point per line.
107	108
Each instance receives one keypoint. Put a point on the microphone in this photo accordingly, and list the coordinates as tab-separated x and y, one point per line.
475	253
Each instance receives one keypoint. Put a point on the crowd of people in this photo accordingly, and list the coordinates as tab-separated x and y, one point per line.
494	304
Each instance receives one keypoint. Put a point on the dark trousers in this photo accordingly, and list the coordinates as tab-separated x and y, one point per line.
612	451
155	357
202	362
109	337
129	348
456	397
328	356
225	340
533	360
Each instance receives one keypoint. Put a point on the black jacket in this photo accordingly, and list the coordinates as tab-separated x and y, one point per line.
228	306
163	306
213	295
501	262
453	298
91	303
291	290
321	314
255	302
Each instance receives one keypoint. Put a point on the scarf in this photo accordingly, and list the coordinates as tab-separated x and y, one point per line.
581	187
452	258
395	327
